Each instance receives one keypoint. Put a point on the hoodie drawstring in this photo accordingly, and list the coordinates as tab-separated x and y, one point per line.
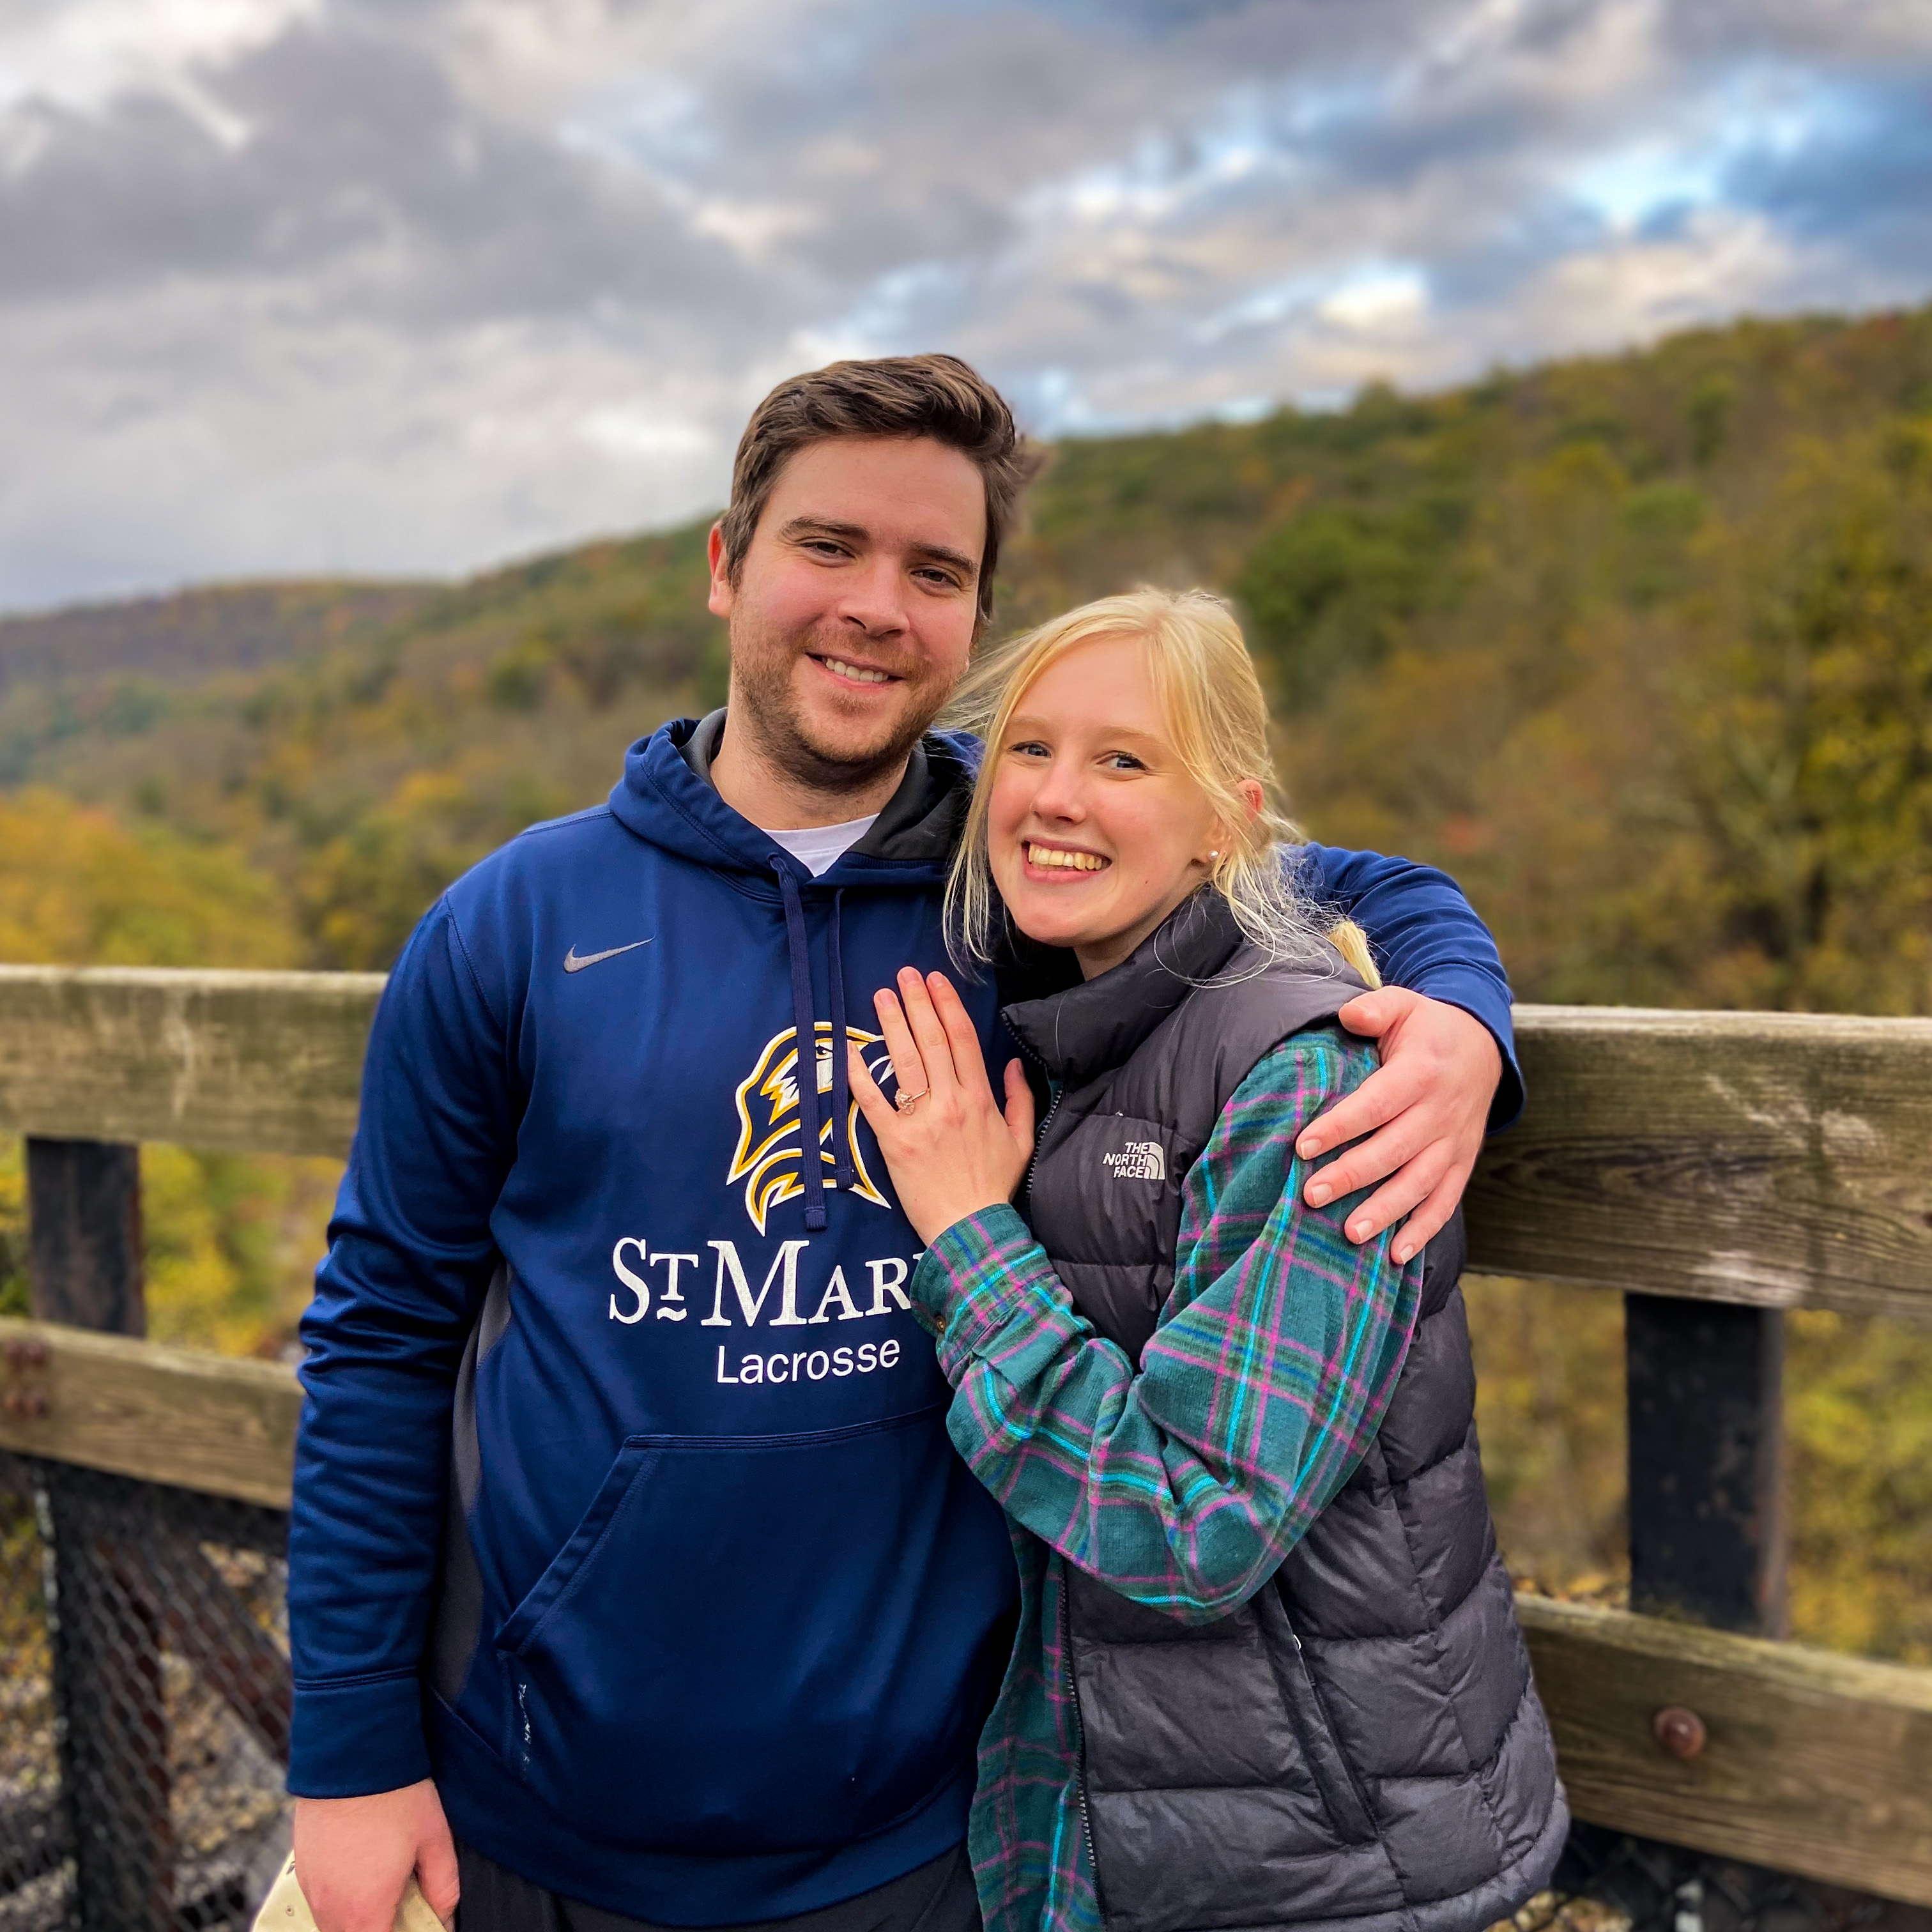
842	1175
804	1034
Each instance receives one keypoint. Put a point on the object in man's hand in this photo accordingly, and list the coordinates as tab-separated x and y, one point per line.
285	1910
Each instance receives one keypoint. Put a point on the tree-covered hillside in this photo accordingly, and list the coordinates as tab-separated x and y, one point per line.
190	634
1639	647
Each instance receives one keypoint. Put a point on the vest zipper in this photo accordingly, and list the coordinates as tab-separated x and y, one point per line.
1056	1091
1080	1745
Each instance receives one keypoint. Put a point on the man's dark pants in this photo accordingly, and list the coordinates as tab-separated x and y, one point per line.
934	1897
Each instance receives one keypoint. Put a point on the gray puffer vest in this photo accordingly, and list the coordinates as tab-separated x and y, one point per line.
1359	1748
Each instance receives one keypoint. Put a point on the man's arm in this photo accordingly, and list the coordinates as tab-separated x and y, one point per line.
410	1257
1449	1071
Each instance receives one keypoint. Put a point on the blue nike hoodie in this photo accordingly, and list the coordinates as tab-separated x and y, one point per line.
623	1503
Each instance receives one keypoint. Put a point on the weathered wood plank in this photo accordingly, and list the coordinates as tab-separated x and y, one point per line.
1814	1763
257	1062
138	1408
1779	1160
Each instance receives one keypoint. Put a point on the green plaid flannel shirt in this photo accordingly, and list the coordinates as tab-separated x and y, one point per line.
1184	1485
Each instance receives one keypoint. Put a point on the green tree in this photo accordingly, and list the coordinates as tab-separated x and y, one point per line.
1806	729
78	887
1326	592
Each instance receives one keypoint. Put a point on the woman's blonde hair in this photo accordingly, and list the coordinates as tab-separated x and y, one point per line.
1217	720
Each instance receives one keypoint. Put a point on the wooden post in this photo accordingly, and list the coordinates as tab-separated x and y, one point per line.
84	1263
1707	1535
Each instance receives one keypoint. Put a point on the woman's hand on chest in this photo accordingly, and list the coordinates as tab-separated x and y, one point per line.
952	1148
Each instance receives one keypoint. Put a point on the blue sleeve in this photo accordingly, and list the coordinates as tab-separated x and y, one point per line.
410	1255
1427	936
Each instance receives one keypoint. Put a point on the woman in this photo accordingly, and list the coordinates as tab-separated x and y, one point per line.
1267	1673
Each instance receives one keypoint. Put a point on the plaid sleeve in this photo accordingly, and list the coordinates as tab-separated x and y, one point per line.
1183	1485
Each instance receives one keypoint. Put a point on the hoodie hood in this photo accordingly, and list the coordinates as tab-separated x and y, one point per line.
666	797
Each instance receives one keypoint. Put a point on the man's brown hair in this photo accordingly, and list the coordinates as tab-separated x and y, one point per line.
935	396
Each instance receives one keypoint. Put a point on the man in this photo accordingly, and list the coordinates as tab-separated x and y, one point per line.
627	1540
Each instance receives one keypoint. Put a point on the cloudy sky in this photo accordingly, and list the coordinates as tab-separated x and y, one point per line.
385	286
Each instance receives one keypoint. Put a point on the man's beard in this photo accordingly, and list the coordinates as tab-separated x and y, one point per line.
766	706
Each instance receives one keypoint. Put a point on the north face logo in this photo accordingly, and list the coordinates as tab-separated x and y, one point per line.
1139	1160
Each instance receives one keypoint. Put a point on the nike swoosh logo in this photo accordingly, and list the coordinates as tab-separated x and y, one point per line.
572	964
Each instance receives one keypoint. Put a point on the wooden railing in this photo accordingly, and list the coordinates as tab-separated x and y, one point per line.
1715	1169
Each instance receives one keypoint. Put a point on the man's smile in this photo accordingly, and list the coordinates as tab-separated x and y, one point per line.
849	671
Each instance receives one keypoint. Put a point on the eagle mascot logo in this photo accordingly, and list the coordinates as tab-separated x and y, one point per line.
767	1160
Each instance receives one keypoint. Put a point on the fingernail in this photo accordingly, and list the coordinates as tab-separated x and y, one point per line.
1401	1255
1358	1231
1319	1191
1308	1147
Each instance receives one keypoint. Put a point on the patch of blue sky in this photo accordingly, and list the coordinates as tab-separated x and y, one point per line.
1052	400
1152	17
1630	186
1245	409
1776	109
904	304
1266	306
1362	296
1157	180
1254	136
1859	156
1305	111
656	122
1762	113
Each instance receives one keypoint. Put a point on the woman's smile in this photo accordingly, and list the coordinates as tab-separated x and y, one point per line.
1048	862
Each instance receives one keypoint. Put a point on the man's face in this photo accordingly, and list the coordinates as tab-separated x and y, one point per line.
853	616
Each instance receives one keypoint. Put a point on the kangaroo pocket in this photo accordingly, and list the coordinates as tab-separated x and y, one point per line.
760	1642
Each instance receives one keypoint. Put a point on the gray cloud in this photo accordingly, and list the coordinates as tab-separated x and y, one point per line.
1868	166
357	284
356	170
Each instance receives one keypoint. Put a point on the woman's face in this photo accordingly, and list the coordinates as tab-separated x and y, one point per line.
1096	832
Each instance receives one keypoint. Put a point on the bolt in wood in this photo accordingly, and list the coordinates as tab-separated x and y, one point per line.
1679	1731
